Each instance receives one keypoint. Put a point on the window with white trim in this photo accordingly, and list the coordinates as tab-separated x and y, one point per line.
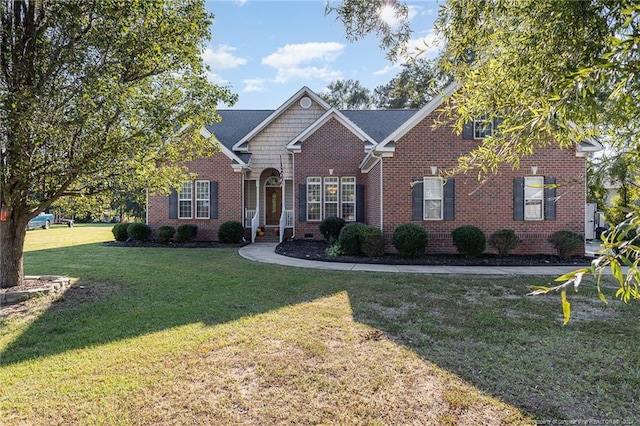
482	127
202	199
534	198
330	197
348	191
184	201
314	198
433	198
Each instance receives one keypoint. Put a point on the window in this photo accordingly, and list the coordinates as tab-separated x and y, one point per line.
482	127
314	198
348	189
330	197
433	198
184	201
202	199
534	198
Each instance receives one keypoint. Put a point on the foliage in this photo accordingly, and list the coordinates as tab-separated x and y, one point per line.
469	240
330	228
119	231
186	233
410	240
97	97
417	83
371	242
566	243
350	239
231	232
504	241
347	94
139	231
333	250
165	234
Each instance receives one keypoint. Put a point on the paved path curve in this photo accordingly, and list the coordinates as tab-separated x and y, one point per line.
265	253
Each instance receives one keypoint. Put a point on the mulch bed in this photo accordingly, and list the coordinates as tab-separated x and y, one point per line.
315	250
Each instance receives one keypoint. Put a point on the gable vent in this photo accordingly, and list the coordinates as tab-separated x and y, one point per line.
305	102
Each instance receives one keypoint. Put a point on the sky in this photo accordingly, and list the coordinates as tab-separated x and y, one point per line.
267	50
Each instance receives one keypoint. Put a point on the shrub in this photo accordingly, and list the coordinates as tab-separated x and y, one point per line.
330	228
165	234
566	243
119	231
504	241
410	240
469	240
231	232
371	244
333	250
350	239
186	233
139	231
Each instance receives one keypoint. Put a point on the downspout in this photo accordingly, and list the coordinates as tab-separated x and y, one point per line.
293	183
146	212
243	211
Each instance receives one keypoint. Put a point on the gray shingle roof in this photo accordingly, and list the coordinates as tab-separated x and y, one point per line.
236	124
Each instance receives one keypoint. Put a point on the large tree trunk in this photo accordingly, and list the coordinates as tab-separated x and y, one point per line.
12	235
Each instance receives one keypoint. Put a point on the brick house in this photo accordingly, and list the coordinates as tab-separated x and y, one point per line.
286	170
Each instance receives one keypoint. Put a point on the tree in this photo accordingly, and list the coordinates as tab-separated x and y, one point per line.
555	72
417	83
347	94
93	96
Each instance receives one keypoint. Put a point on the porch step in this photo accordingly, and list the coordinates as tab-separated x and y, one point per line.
268	237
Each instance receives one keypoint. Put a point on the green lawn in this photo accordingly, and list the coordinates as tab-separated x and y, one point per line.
202	336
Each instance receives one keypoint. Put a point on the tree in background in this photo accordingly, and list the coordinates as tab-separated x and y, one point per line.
347	94
555	71
417	83
96	96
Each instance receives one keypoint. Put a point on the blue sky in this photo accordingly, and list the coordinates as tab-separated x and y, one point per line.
267	50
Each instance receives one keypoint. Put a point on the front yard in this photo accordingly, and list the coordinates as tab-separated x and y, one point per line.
202	336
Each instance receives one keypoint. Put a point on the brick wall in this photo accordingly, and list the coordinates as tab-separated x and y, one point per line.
487	205
331	147
373	201
214	168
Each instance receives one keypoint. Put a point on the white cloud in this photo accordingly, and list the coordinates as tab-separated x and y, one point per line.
254	85
386	70
429	45
292	55
388	14
222	58
308	73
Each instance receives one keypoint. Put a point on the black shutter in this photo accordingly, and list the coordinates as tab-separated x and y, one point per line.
496	123
550	198
467	131
213	202
518	199
302	203
360	203
418	203
173	204
449	208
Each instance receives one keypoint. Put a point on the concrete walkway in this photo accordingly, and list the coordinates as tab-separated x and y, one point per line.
265	253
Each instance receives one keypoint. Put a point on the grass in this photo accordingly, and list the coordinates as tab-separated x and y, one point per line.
202	336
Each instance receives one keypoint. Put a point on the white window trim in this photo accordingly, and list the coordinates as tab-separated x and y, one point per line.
207	199
318	183
527	183
348	181
424	198
182	199
482	122
331	181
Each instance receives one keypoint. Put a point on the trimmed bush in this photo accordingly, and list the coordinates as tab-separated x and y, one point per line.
139	231
186	233
330	228
410	240
231	232
119	231
371	244
504	241
165	234
469	240
566	243
350	239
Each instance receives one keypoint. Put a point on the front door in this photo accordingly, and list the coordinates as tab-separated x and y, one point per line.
273	207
